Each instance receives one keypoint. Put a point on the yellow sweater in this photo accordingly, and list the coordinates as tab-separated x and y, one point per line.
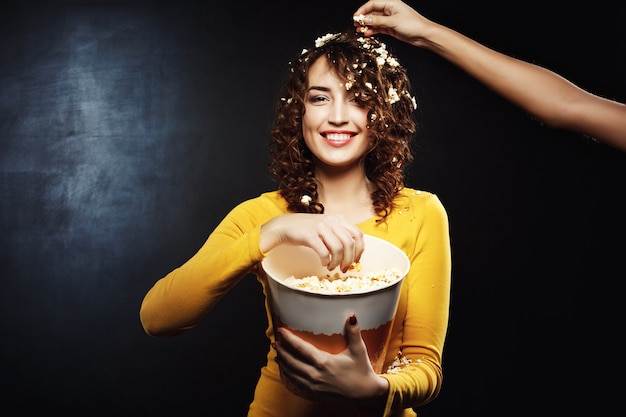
418	225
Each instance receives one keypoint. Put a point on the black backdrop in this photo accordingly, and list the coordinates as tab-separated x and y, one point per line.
128	129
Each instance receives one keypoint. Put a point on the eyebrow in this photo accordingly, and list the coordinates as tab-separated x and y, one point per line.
315	87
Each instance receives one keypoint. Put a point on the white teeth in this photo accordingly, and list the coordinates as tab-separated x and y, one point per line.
338	136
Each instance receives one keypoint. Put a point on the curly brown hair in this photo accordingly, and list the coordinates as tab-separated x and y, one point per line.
382	85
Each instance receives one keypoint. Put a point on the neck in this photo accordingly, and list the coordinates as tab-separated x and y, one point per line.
347	193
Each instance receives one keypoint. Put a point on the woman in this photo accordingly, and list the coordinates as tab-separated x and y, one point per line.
341	145
539	91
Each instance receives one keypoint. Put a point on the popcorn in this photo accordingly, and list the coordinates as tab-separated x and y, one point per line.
360	19
393	95
345	283
306	200
399	363
322	40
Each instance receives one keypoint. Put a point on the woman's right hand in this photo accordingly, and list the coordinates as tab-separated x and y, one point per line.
336	241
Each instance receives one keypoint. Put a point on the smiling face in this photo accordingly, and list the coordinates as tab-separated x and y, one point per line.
334	124
345	113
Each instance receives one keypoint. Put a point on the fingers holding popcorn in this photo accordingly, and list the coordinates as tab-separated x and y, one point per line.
337	242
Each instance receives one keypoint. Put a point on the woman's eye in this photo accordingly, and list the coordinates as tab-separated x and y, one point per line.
317	99
358	101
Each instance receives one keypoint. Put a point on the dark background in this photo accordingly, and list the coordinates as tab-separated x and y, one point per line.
128	129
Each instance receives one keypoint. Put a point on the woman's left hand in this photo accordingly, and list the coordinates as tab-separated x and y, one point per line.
316	374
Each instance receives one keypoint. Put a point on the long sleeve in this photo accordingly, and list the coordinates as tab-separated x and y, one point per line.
420	227
179	301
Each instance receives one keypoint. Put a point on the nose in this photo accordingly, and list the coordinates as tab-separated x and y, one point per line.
338	113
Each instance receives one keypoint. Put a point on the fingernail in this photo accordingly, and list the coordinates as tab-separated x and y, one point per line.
352	320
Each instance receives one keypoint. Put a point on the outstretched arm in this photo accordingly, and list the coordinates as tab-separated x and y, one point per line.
541	92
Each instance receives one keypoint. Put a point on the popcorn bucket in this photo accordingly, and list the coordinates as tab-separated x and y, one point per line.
319	317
